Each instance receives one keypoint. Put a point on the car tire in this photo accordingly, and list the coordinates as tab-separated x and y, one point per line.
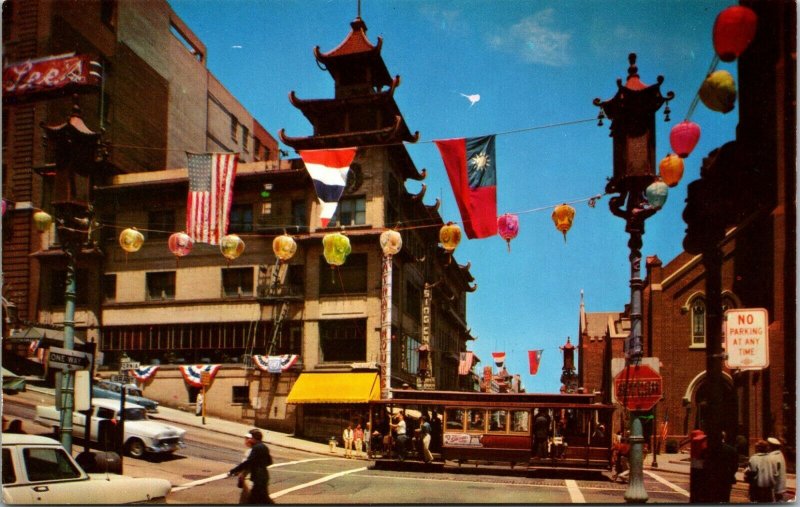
135	448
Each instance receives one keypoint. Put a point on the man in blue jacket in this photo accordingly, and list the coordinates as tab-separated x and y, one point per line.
256	463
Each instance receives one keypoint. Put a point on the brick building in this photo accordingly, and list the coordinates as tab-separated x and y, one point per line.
758	268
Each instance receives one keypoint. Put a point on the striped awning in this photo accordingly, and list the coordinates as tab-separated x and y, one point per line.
335	388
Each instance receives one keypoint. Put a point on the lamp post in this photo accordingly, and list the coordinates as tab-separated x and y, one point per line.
76	164
569	380
632	114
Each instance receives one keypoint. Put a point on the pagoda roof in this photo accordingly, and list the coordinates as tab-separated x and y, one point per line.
392	134
356	47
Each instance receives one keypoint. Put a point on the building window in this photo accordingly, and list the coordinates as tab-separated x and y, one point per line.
241	218
348	279
698	312
160	285
234	128
343	340
237	282
240	394
411	355
109	288
352	211
184	40
245	139
413	301
299	217
160	223
58	287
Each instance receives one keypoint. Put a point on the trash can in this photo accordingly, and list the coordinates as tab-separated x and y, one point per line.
100	462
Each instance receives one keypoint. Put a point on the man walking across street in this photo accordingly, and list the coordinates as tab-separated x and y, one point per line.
256	463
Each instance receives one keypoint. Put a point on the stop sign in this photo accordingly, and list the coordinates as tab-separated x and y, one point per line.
638	387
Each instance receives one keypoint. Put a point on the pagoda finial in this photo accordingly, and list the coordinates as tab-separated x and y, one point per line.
633	70
359	8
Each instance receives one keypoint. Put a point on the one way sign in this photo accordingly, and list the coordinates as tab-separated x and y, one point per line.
68	359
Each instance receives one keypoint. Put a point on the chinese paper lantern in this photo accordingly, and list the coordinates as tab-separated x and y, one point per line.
508	227
231	246
656	194
683	137
718	91
563	215
42	220
180	244
671	169
391	242
284	247
734	29
336	248
131	240
450	236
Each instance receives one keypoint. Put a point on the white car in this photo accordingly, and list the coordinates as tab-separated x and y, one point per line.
142	435
37	469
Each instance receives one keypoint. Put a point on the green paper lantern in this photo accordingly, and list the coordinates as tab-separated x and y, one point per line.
336	248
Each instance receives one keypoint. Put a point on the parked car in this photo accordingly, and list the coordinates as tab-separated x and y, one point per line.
37	470
113	390
143	436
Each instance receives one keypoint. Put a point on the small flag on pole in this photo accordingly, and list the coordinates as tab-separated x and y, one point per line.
328	169
208	206
499	358
535	357
465	363
664	428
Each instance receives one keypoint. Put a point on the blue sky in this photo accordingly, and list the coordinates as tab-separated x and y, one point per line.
534	64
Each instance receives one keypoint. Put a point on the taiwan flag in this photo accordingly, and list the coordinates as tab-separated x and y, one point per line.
472	170
535	357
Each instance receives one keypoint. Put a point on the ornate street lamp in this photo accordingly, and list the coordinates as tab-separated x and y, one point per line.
632	114
569	379
78	163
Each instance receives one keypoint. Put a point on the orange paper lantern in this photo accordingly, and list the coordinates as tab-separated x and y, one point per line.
450	236
563	215
131	240
671	169
284	247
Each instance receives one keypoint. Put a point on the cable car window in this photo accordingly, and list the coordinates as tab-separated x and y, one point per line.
498	420
520	420
454	419
476	420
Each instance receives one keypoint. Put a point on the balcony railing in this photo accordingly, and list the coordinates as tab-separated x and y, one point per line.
280	291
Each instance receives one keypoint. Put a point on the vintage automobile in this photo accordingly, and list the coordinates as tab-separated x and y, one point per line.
37	470
143	436
112	390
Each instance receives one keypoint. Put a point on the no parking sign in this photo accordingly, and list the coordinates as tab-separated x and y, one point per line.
747	338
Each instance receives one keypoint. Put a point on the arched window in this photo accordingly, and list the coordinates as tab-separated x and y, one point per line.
698	315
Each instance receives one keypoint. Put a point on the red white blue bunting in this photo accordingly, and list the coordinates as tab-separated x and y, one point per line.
275	364
142	373
191	373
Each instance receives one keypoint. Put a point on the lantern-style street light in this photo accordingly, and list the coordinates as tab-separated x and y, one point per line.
632	114
78	163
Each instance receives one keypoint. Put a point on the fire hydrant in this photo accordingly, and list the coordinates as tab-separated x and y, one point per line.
332	443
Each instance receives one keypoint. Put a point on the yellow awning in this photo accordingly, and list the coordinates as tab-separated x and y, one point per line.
335	388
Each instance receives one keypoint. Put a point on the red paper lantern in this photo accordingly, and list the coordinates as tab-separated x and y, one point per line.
671	169
683	137
508	227
734	29
180	244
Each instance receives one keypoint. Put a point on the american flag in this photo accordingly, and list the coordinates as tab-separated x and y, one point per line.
208	206
465	363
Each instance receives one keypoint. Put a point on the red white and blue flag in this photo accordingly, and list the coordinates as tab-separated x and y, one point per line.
535	357
208	205
465	363
499	358
328	169
192	373
143	373
275	364
472	169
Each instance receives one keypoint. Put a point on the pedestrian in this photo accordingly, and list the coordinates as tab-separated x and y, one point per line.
541	428
698	478
198	404
358	439
759	474
722	466
425	432
778	467
436	432
347	437
402	437
256	464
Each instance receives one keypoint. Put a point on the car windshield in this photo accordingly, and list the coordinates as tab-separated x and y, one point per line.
135	414
134	391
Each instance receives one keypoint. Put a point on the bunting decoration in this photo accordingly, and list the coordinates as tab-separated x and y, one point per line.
499	358
328	169
275	364
535	357
191	373
471	168
208	206
144	373
465	363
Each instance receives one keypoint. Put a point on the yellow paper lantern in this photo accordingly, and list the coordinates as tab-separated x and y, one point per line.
718	91
563	215
336	248
131	240
284	247
42	220
391	242
671	169
231	246
450	236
